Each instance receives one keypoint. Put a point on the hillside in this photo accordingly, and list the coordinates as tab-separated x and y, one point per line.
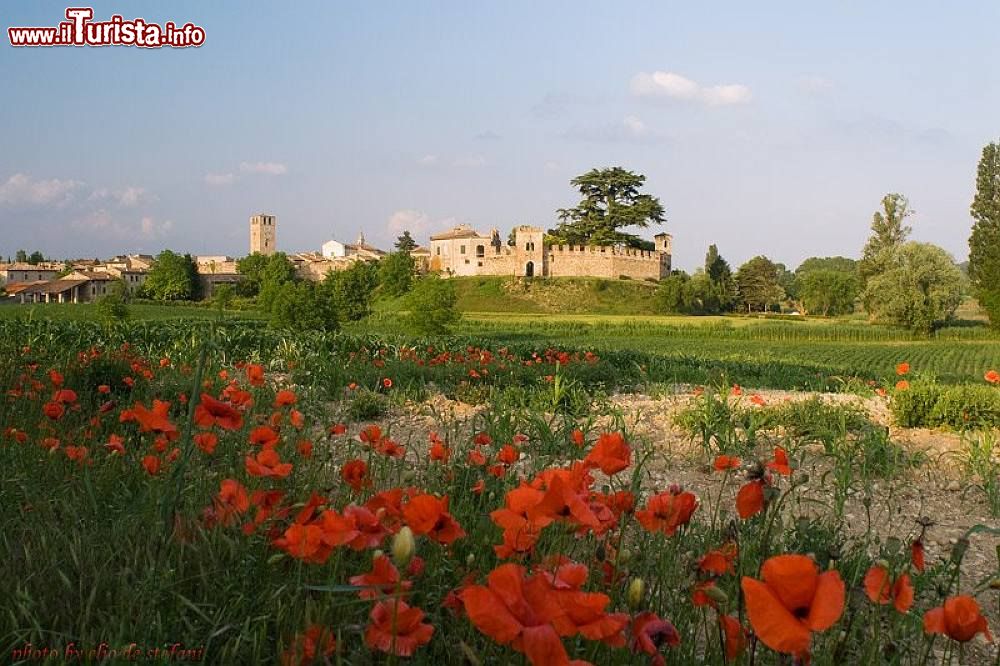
594	296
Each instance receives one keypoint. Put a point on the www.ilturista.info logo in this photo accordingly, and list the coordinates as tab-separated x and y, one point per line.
80	30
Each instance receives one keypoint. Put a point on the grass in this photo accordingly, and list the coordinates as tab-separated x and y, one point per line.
137	312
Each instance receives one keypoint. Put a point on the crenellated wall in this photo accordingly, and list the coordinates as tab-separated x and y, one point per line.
605	261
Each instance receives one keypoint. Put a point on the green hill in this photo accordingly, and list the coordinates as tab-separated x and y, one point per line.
596	296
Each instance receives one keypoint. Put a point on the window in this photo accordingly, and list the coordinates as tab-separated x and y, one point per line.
439	252
462	250
480	251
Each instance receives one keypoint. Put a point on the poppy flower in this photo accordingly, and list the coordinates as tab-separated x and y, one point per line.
316	641
720	561
666	512
285	398
297	420
370	434
577	437
65	396
992	376
56	378
389	447
355	474
396	628
255	374
426	514
77	453
735	636
206	441
903	368
211	412
115	445
780	463
793	600
958	618
338	429
104	389
439	451
54	410
902	385
649	632
724	462
611	454
482	439
387	383
152	465
758	400
264	437
881	590
476	457
267	463
382	580
508	455
737	390
305	448
917	554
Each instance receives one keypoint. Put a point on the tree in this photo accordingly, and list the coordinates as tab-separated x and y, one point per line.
173	277
723	288
611	202
276	272
251	268
984	243
112	306
21	257
758	283
350	291
431	304
673	293
827	292
405	243
36	258
888	235
841	264
300	306
920	288
396	273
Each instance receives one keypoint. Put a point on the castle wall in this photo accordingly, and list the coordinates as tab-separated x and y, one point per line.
606	262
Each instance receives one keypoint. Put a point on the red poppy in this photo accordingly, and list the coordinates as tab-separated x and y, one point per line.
54	410
958	618
56	378
723	463
667	512
902	385
792	601
316	641
736	390
577	437
387	383
264	437
338	429
285	398
370	434
115	445
611	454
211	412
104	389
267	463
917	554
735	636
720	561
508	455
255	374
382	580
65	396
439	451
77	453
992	376
305	448
482	439
758	400
750	499
476	457
396	628
881	590
152	465
780	463
206	441
649	632
426	514
903	368
296	418
355	474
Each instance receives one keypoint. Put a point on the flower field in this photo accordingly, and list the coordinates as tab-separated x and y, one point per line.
228	494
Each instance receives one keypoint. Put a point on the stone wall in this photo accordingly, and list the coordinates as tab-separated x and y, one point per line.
605	261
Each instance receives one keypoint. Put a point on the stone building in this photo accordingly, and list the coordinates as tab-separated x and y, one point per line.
463	251
263	233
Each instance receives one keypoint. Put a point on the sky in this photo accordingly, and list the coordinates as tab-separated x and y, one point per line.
766	128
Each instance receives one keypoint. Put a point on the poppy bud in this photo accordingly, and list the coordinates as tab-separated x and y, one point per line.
601	552
408	475
716	595
275	558
624	555
995	584
470	559
636	591
958	551
403	546
883	564
377	553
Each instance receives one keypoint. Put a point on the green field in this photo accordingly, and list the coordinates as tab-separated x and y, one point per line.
138	312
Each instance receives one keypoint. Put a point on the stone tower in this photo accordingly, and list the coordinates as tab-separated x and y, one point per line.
664	246
530	251
263	235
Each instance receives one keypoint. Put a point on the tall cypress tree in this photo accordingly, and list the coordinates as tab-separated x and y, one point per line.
984	244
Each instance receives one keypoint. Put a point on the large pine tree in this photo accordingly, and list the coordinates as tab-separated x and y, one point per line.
984	244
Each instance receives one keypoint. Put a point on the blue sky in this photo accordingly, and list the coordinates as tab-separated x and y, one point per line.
767	128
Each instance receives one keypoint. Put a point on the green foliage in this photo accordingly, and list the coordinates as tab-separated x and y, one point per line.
919	287
927	404
984	244
721	293
173	277
611	202
350	292
396	273
981	464
112	307
839	264
827	292
432	305
888	235
405	242
366	405
758	284
275	272
300	306
223	296
672	294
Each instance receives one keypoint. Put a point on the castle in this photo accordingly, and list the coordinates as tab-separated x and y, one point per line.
464	251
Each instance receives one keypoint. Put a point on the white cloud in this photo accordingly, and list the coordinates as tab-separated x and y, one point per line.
150	228
410	220
220	179
268	168
127	198
428	160
634	125
21	189
674	86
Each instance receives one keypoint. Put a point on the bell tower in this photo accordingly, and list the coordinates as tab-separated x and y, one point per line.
263	234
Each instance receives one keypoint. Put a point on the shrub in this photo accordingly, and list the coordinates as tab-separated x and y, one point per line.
966	407
365	405
911	407
432	305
